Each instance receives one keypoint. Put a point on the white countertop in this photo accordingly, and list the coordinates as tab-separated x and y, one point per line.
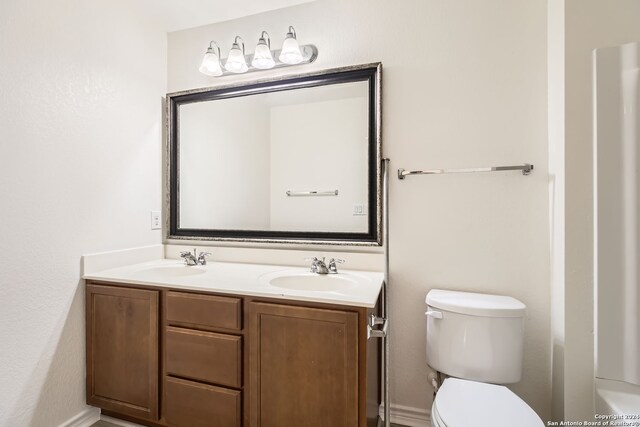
242	279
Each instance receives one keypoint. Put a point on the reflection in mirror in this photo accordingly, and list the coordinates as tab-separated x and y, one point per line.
240	156
293	161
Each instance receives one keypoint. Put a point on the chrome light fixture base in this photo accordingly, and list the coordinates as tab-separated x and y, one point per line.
309	54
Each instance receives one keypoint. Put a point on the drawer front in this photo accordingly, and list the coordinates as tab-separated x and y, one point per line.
204	310
204	356
190	404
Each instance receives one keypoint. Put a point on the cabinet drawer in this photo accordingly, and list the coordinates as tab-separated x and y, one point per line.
204	356
190	404
204	310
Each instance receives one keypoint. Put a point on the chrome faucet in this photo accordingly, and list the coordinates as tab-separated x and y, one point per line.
319	266
194	258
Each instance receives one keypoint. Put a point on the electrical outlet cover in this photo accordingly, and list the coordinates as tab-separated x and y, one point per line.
156	220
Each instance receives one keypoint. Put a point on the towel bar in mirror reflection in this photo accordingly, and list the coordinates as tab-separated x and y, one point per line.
311	193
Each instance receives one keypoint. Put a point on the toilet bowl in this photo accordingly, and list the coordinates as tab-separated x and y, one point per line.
477	341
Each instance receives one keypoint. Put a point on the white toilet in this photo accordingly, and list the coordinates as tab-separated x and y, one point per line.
477	340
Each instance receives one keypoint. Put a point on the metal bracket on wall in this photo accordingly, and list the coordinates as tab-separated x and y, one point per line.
373	329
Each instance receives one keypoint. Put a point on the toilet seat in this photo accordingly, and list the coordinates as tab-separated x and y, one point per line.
464	403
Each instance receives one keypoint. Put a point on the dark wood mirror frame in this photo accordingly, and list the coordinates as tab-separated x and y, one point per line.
371	73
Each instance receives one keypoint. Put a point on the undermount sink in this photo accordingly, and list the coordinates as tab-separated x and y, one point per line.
170	271
305	281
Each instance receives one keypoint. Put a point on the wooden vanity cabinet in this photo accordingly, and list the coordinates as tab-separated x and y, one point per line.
122	350
228	361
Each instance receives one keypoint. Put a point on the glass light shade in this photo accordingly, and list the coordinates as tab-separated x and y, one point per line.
211	64
236	62
262	57
290	53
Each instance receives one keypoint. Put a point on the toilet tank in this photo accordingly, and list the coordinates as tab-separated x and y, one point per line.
476	337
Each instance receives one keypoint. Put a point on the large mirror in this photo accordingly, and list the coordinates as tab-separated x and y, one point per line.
295	159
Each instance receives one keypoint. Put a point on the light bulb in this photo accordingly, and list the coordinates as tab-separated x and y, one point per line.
236	63
211	63
262	57
290	53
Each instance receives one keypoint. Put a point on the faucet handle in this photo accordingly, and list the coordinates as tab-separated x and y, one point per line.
189	258
333	268
202	258
314	263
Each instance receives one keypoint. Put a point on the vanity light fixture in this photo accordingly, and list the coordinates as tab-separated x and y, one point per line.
263	57
211	61
290	53
236	62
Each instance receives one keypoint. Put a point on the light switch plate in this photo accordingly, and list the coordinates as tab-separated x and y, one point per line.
156	220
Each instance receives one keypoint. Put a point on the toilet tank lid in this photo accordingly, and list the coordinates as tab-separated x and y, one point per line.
476	304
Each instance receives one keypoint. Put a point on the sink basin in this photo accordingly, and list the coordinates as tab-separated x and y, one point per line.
170	271
305	281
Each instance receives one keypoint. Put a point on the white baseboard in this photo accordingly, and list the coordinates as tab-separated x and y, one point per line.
403	415
408	416
84	419
119	422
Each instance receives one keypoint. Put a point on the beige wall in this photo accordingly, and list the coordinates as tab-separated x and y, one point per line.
465	84
588	24
80	154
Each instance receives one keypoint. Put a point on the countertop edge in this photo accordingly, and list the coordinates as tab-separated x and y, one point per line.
343	300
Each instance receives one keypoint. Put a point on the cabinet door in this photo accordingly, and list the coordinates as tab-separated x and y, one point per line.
122	350
303	366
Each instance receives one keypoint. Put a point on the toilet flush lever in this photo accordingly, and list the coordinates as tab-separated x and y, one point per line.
434	314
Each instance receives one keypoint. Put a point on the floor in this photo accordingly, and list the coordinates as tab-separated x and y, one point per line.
106	424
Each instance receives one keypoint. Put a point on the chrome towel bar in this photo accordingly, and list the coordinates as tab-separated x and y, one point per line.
525	168
311	193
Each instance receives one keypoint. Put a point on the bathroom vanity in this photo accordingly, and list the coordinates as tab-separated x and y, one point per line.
171	345
228	344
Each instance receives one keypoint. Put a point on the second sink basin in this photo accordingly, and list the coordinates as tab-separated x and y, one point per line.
305	281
